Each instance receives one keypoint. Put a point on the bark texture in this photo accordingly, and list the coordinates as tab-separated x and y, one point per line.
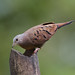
23	65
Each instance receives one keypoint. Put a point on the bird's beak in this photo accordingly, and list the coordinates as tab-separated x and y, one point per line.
14	44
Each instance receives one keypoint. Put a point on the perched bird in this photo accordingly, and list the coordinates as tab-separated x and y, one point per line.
35	37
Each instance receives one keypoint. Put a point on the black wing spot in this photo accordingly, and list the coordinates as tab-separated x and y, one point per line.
44	30
42	27
44	36
48	23
47	32
34	34
50	26
37	32
37	36
35	39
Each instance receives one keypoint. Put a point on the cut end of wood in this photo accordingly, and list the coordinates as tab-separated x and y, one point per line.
28	53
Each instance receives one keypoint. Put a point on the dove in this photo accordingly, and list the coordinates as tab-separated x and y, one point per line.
35	37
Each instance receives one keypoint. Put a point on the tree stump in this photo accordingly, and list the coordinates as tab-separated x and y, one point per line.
23	65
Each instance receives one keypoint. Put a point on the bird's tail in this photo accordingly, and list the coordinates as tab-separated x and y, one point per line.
59	25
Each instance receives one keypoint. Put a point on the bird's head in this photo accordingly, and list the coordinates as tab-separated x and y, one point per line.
17	40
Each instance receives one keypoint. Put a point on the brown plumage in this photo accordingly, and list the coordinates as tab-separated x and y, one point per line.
36	36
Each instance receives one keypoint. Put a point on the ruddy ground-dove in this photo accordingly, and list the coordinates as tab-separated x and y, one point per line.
35	37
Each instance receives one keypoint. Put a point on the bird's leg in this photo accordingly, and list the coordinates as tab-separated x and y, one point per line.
36	50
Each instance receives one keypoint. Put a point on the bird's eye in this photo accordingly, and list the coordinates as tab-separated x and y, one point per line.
16	39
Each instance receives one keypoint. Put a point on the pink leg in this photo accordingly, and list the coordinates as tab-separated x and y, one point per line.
36	50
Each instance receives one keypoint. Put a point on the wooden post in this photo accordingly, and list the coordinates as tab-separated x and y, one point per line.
23	65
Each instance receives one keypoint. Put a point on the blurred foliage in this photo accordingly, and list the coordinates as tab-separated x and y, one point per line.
57	56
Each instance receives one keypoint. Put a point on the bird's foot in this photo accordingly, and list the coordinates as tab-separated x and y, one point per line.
36	50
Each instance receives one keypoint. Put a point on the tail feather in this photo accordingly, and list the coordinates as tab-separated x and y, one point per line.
59	25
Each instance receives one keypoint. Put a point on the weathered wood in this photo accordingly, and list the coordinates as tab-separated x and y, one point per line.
23	65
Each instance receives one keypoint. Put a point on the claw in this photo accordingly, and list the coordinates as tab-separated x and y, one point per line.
36	50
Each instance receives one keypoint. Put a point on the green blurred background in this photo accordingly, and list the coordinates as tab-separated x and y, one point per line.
57	56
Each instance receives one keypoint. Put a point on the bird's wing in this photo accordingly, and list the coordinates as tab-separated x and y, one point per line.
40	34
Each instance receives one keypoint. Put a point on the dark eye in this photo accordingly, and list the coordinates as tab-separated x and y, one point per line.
16	39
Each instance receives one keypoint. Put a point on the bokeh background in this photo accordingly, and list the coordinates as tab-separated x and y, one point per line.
57	56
